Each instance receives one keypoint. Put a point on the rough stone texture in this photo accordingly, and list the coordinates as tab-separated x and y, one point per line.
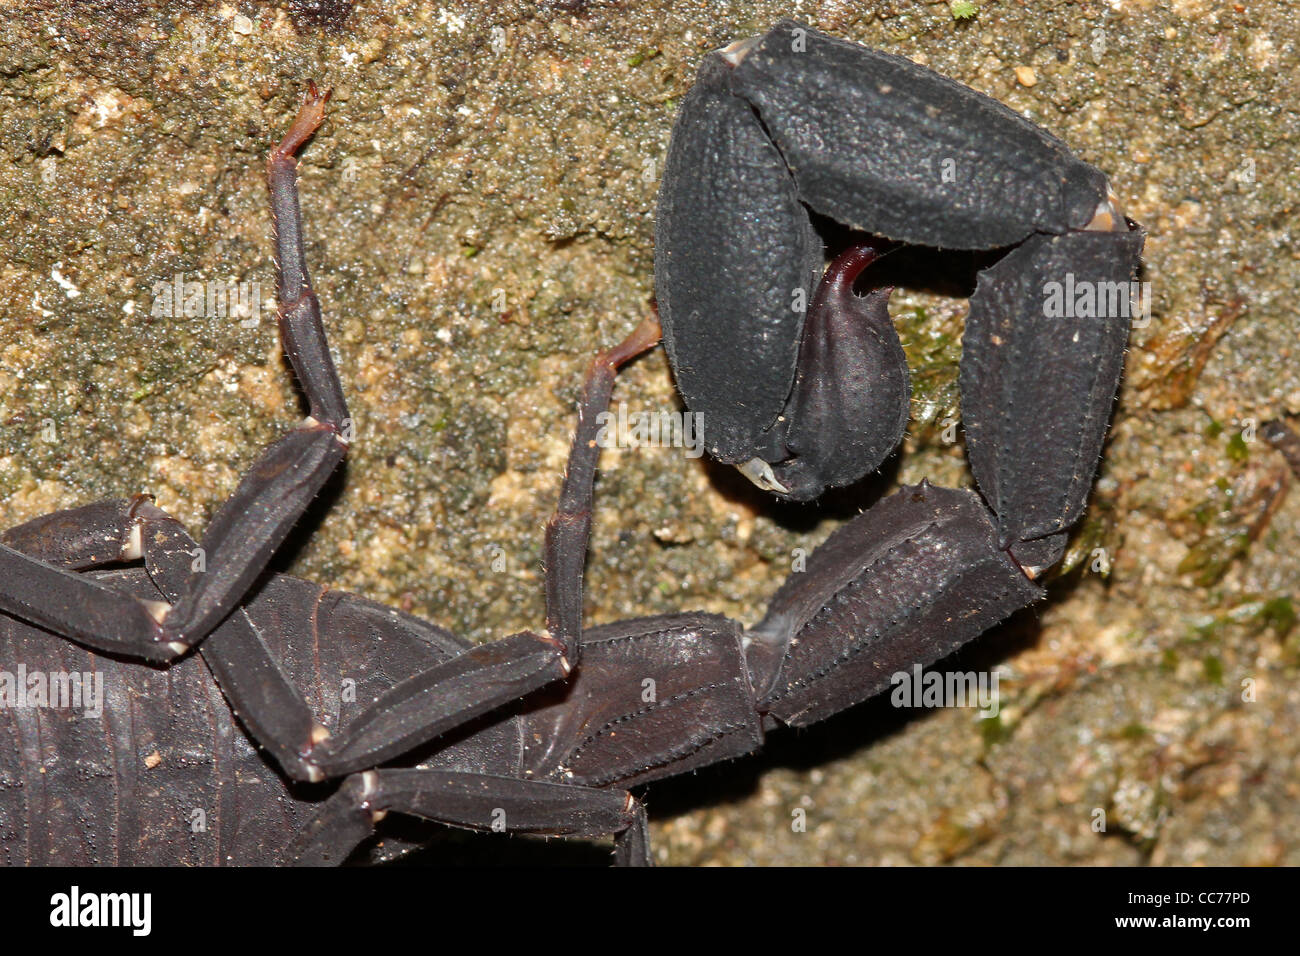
480	212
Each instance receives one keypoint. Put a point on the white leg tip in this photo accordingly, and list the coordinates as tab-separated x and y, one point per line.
760	473
1108	217
133	550
733	53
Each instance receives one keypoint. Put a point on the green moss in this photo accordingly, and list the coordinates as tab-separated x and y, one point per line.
963	9
994	731
933	356
1278	615
1213	667
1133	731
1237	449
1087	541
1207	627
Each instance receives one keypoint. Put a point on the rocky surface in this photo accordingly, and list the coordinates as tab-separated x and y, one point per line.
480	206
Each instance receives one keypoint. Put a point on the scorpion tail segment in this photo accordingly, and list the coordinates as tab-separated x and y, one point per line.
472	801
655	697
851	395
1041	361
892	148
569	530
37	585
905	583
736	260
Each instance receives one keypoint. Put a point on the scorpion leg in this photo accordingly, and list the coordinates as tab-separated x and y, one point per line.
448	693
110	532
569	529
488	801
270	498
473	801
37	583
426	704
444	695
419	708
254	521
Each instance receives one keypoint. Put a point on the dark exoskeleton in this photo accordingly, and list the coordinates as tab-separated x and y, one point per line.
759	140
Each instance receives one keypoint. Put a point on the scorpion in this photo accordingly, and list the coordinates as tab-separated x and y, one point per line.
549	731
